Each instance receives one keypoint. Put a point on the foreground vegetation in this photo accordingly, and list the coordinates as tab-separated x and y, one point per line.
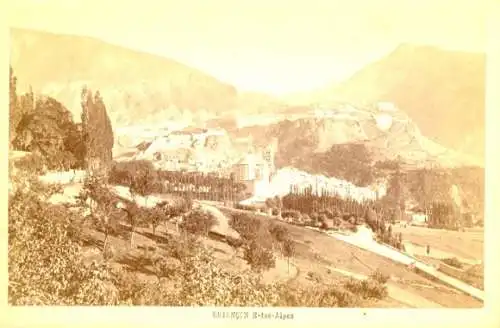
47	264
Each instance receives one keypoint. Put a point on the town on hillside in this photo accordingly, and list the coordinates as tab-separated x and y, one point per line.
135	179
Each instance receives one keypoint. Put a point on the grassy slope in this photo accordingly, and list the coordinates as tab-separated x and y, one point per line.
316	251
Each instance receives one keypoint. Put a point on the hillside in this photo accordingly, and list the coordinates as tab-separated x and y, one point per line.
442	91
304	139
137	87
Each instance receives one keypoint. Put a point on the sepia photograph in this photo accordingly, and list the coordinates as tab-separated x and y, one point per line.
300	154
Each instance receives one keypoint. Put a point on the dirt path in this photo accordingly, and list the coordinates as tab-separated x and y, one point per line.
414	249
461	244
407	260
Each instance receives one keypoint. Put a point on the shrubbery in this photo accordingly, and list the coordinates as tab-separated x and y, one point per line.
454	262
246	225
368	288
45	262
259	258
33	162
198	222
46	267
379	276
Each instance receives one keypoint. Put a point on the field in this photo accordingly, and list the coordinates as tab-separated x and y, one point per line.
467	245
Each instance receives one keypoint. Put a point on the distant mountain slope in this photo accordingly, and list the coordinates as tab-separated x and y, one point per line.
301	141
442	91
136	87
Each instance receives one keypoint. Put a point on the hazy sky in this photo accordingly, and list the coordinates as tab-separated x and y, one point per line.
265	45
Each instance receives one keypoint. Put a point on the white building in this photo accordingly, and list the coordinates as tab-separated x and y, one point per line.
254	171
245	168
419	218
386	107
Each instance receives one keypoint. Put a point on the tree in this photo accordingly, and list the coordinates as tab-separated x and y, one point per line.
145	181
288	250
97	133
14	116
279	204
371	218
388	235
49	131
135	217
45	261
396	215
156	215
198	222
270	203
280	233
247	226
103	206
258	257
323	219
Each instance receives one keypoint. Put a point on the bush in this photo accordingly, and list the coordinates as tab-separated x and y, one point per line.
317	296
379	276
124	173
314	276
323	225
165	266
247	226
252	208
353	228
183	248
279	232
198	222
306	219
258	257
454	262
130	287
46	265
367	288
33	162
291	214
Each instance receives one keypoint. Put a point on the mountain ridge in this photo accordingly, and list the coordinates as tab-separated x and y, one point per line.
136	86
432	85
301	139
141	88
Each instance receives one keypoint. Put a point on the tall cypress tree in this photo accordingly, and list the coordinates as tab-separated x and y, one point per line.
14	116
97	133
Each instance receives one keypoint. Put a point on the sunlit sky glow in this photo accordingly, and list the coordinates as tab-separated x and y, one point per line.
264	45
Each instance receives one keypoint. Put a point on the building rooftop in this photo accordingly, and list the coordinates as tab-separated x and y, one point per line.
189	130
250	159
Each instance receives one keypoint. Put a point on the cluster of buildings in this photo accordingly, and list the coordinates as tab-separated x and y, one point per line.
211	150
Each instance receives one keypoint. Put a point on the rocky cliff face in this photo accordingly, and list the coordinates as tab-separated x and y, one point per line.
305	137
442	91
